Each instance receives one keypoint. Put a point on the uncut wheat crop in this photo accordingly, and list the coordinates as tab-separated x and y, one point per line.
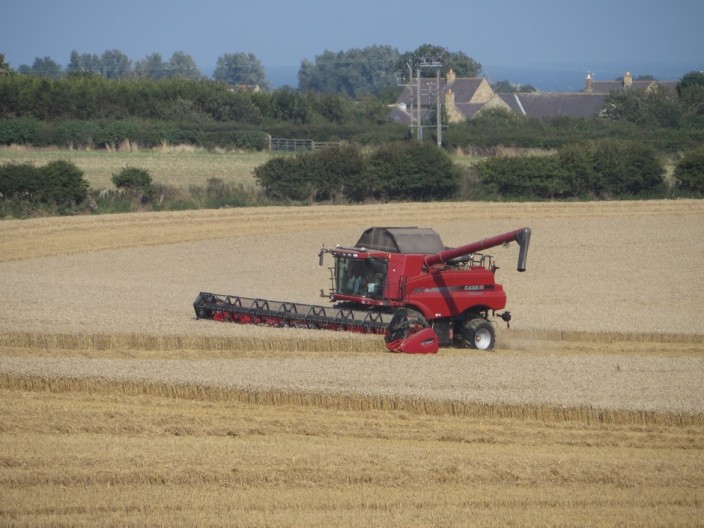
119	291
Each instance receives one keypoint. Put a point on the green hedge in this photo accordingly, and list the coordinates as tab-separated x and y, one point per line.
148	134
58	186
397	171
689	173
607	169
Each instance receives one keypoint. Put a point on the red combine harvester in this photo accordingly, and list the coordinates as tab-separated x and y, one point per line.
401	282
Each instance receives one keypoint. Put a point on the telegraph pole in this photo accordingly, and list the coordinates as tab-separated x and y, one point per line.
420	63
438	117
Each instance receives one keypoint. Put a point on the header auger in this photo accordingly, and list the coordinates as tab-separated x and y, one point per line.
401	282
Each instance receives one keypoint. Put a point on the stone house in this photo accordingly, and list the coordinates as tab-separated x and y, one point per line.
462	97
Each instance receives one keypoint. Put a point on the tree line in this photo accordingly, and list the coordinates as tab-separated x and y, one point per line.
620	154
370	71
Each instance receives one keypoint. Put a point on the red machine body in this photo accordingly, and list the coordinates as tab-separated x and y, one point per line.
409	268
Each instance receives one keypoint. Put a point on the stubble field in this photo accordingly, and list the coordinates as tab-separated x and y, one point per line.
119	407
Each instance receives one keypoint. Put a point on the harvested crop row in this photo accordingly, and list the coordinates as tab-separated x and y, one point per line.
670	386
262	341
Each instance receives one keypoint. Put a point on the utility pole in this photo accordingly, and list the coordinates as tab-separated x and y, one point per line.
419	63
438	117
418	108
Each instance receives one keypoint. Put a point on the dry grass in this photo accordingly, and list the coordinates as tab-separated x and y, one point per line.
176	166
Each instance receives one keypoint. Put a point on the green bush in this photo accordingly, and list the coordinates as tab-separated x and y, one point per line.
412	171
20	181
136	182
286	179
19	131
116	132
77	134
689	172
398	171
527	177
63	184
310	176
58	186
607	169
628	169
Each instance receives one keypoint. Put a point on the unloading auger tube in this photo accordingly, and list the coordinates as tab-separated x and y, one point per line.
522	236
416	292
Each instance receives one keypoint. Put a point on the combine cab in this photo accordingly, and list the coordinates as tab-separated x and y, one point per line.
401	282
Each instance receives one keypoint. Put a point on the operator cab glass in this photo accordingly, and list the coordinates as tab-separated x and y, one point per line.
361	277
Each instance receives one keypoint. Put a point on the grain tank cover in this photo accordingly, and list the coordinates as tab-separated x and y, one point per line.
413	240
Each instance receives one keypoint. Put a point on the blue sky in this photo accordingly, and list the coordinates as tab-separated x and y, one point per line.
508	37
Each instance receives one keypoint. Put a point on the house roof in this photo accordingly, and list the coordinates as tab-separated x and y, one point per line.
545	105
539	105
464	89
469	110
400	114
605	87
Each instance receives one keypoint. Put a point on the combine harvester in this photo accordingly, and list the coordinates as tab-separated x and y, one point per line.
400	282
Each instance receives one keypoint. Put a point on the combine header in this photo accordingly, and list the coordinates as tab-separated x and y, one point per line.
400	282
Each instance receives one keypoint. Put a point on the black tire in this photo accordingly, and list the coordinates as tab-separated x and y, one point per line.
479	334
405	322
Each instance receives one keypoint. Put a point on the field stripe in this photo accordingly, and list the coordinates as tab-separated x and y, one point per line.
351	402
283	341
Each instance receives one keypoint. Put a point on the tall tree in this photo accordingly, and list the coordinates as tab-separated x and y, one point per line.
45	67
151	67
690	90
655	107
183	65
83	63
4	66
459	62
240	68
355	72
115	65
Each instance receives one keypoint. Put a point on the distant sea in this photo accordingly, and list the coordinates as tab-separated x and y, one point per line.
545	78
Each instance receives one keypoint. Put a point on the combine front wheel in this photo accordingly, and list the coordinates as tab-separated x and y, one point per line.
478	333
409	332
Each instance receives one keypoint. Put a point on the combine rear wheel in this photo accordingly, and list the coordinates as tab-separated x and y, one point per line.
478	333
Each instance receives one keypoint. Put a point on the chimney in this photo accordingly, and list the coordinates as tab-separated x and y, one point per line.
588	83
450	76
627	80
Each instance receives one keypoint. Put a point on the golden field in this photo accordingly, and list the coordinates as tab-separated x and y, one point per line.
119	408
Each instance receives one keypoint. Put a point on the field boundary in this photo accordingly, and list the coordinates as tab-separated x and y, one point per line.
349	402
606	337
284	343
133	341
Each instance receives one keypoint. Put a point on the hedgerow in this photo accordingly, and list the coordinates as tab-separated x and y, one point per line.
396	171
606	169
58	186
